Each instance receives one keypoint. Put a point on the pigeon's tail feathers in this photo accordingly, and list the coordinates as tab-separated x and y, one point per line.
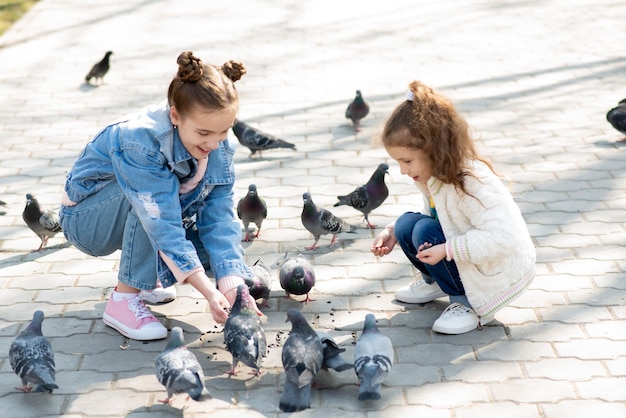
294	399
370	388
199	392
351	228
280	143
46	387
42	374
338	363
369	393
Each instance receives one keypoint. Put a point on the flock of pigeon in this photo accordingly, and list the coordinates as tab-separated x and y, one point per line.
304	354
306	351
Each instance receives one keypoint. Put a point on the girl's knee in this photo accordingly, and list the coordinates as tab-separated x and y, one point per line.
405	223
429	230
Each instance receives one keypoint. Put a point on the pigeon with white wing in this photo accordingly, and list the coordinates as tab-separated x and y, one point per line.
373	359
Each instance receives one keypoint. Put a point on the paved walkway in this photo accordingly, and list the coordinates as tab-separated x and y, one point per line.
534	79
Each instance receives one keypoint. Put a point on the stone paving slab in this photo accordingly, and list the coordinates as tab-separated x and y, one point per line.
533	79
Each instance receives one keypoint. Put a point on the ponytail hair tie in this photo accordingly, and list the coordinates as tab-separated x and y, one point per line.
410	96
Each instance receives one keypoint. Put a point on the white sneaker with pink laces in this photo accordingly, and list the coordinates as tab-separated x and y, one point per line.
133	320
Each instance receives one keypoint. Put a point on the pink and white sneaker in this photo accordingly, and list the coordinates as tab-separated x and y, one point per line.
133	320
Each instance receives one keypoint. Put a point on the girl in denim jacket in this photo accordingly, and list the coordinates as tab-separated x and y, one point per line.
472	244
158	185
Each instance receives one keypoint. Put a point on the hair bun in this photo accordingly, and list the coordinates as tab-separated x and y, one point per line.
190	68
234	70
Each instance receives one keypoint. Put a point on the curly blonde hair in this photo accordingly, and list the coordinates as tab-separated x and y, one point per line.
206	85
429	122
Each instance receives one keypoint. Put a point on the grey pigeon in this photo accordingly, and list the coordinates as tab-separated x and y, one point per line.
32	359
357	110
43	223
252	208
297	276
319	221
261	284
617	118
257	140
373	358
302	358
178	370
332	354
243	334
368	197
99	69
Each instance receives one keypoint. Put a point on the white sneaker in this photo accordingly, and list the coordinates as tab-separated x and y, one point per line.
459	319
419	292
159	294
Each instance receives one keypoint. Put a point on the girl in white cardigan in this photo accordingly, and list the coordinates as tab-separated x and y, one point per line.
473	245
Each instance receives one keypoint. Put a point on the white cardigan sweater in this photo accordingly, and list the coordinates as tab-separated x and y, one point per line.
489	238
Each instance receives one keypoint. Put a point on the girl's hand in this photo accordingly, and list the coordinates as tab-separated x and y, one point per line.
384	243
431	254
220	307
219	304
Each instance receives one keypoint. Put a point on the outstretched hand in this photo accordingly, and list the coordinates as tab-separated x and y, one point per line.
220	307
384	243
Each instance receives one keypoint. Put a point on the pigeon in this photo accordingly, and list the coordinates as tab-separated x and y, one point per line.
297	276
99	69
32	359
302	357
373	358
243	334
617	118
261	284
256	140
368	197
357	110
43	223
2	203
332	354
319	221
178	370
252	208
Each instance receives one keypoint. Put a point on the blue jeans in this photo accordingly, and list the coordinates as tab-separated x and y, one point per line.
412	230
105	222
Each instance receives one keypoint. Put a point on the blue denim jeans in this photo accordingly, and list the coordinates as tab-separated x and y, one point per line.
105	222
412	229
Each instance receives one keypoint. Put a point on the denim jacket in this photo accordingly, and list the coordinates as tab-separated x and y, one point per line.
144	154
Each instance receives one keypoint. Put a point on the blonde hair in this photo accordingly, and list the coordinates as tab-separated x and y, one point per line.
208	86
429	122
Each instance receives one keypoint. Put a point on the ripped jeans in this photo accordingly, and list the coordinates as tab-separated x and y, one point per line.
412	229
106	222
